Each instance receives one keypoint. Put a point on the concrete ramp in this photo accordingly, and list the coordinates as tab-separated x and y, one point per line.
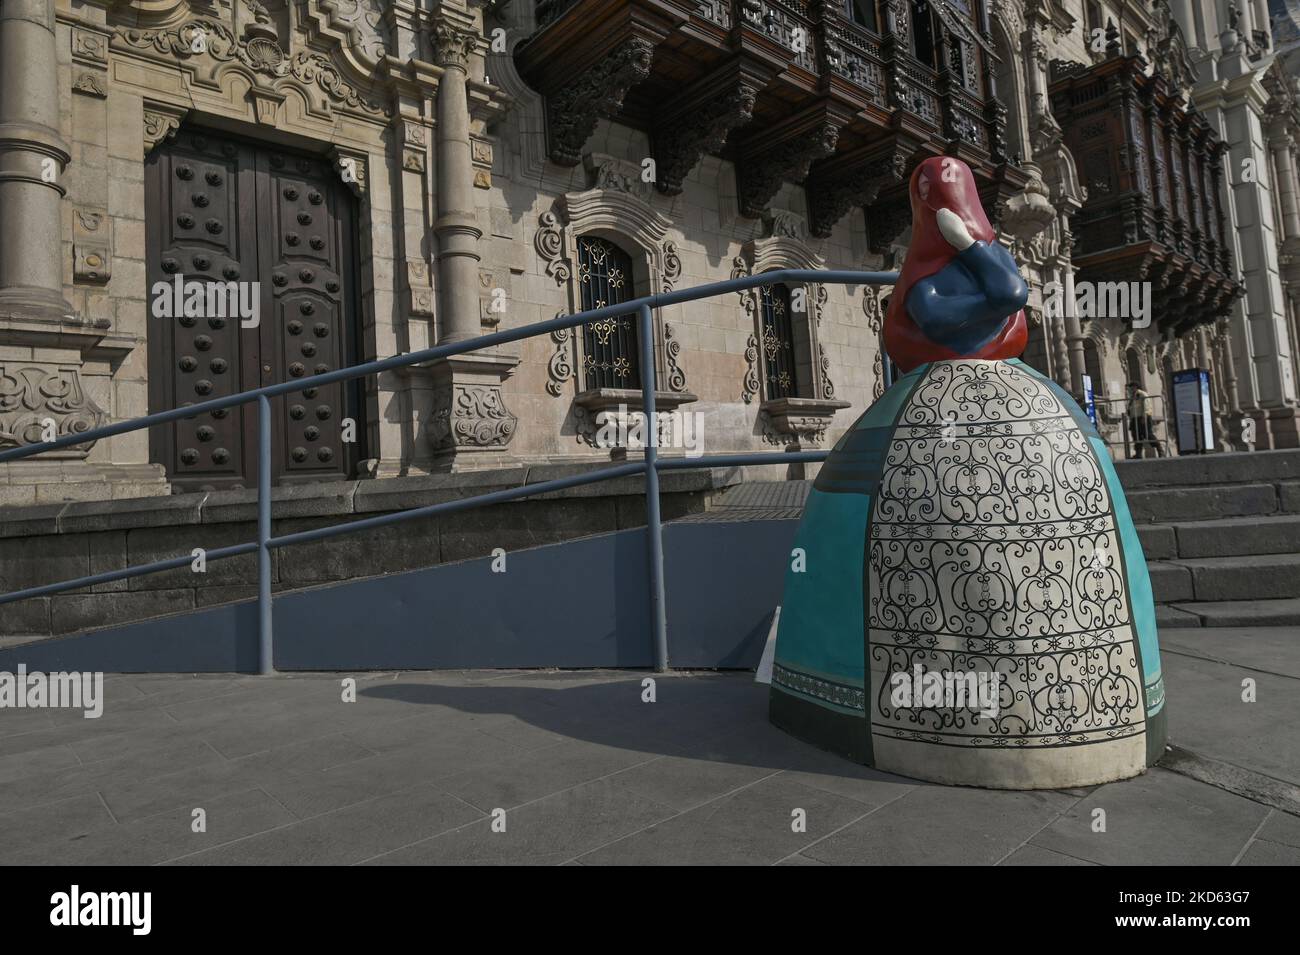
581	603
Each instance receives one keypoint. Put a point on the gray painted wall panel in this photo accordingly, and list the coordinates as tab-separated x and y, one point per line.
580	603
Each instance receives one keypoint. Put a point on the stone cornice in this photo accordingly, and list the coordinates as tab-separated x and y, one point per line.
1227	93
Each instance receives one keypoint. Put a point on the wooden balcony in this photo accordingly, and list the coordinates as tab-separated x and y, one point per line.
790	91
1153	169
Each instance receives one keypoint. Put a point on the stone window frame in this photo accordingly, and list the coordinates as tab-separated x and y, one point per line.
618	210
802	419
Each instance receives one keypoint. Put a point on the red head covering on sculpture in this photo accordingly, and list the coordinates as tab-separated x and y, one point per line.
941	182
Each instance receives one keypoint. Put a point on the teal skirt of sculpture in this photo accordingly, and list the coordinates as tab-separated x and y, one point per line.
971	523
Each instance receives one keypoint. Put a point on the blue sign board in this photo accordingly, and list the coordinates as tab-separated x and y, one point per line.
1089	403
1195	422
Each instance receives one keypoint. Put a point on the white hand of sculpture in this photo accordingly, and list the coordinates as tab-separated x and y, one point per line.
953	228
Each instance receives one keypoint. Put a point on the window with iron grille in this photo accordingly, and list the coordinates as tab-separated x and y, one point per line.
778	342
609	346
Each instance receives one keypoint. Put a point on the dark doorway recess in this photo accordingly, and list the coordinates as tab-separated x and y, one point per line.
220	209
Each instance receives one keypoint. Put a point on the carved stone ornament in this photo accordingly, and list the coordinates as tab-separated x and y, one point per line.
619	408
750	390
872	298
212	48
38	402
357	25
89	47
491	300
549	242
352	168
672	265
470	416
417	281
824	363
797	421
91	263
454	47
92	245
885	223
672	355
91	83
560	368
160	125
616	174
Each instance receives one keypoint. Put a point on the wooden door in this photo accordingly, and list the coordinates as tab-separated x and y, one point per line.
262	242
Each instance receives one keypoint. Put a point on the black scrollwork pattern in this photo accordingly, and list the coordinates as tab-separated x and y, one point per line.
993	550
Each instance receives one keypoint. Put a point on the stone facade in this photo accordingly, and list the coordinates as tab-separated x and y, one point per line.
468	224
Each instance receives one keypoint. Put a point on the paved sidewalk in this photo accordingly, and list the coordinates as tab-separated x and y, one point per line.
414	770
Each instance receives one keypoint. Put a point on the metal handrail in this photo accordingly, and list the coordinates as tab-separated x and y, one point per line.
650	465
1123	421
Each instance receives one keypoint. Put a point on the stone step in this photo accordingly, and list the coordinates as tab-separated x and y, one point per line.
1231	613
1169	617
1243	467
1159	541
1172	504
1230	537
1246	577
1170	583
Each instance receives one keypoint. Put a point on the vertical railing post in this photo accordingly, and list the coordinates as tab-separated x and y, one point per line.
653	525
266	660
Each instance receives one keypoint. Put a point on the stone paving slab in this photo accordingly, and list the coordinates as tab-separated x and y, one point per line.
1204	674
546	767
1159	818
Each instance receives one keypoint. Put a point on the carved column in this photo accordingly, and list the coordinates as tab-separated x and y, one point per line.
1073	334
33	157
1054	330
457	224
44	341
469	425
1284	163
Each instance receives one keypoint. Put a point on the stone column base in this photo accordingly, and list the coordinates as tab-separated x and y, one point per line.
1283	428
470	426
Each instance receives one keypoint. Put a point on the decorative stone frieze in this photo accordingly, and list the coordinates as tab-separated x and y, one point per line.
210	49
40	402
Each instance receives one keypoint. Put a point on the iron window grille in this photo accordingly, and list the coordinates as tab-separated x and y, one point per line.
609	346
780	377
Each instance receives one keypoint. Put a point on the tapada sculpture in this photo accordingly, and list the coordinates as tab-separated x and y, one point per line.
969	532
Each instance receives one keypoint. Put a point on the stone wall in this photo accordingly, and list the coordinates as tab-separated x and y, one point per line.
466	228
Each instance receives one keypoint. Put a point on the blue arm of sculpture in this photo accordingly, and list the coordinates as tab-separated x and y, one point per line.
964	304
